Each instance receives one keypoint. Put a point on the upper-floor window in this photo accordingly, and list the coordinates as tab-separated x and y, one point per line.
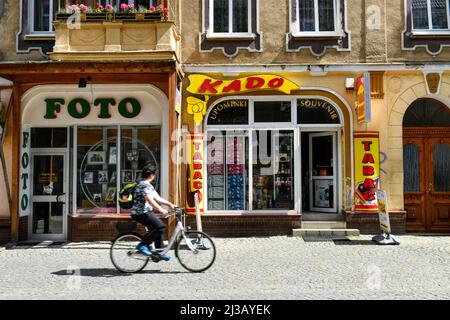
42	17
430	15
317	16
230	16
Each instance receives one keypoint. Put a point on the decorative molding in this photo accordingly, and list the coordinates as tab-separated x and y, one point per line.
376	84
434	43
318	45
231	46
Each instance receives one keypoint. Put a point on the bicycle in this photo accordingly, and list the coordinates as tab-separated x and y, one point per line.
190	246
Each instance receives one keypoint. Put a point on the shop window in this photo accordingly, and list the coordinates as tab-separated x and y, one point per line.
272	111
104	166
49	138
430	14
229	112
273	170
316	111
317	15
227	166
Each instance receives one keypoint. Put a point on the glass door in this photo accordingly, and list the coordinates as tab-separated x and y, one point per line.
323	172
48	220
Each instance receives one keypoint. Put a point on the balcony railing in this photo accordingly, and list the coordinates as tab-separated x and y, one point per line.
141	34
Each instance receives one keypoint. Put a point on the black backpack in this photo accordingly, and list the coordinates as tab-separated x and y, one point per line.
126	196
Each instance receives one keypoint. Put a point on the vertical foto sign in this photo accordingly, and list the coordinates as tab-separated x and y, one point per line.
25	165
383	213
367	170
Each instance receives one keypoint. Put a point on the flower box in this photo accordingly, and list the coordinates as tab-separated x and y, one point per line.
112	16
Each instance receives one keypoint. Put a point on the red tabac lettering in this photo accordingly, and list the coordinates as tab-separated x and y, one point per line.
197	166
197	185
197	145
254	83
369	195
368	158
198	156
366	145
368	171
233	86
198	175
368	183
276	83
208	86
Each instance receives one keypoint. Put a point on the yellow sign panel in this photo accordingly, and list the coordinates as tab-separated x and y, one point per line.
201	84
195	145
367	170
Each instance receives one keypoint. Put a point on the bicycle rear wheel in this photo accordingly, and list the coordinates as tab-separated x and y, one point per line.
124	255
195	251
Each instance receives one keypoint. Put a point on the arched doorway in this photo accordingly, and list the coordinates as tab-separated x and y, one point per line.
426	164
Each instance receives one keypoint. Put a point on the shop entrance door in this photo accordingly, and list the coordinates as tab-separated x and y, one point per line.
427	181
48	215
322	172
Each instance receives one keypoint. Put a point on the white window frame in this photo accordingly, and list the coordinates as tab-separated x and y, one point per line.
31	11
230	33
430	29
337	22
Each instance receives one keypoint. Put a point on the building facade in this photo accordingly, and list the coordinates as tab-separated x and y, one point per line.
290	112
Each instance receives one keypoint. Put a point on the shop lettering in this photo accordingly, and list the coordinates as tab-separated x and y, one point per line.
25	162
225	105
197	165
315	103
80	108
368	171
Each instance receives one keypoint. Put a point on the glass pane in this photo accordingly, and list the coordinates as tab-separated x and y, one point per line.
272	111
411	167
420	14
47	218
48	137
315	111
227	165
306	15
273	170
240	15
439	14
229	112
441	167
97	169
221	16
139	146
48	175
322	156
42	15
326	15
323	195
426	113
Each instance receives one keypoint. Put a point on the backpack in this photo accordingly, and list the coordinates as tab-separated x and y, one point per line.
126	196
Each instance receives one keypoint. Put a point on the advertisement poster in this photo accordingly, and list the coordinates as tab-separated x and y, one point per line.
322	193
367	170
383	211
363	90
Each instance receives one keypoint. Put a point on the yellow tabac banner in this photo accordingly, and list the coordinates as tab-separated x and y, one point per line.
367	170
201	84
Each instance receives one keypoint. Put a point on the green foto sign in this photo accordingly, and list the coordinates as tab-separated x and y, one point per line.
80	108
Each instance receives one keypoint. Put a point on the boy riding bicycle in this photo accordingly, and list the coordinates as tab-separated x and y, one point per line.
145	205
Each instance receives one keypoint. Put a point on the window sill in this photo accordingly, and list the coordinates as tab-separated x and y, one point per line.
328	35
430	34
230	36
39	37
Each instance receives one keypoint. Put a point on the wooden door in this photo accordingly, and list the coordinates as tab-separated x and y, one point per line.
426	153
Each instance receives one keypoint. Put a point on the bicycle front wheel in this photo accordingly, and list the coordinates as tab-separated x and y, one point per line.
124	255
195	251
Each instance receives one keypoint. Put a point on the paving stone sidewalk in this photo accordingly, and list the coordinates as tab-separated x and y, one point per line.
245	268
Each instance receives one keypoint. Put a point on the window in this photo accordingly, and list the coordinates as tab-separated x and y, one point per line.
272	111
43	16
230	16
317	15
430	14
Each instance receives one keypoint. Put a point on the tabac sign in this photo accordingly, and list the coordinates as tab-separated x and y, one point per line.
367	170
204	85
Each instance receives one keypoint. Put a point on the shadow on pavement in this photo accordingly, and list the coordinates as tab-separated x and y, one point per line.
349	242
108	273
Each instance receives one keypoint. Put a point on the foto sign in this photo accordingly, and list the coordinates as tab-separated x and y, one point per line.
363	90
383	213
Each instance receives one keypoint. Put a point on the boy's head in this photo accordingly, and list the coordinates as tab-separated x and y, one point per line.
149	172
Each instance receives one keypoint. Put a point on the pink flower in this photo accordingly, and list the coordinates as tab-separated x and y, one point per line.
109	7
152	8
166	10
160	7
84	8
123	6
100	7
131	6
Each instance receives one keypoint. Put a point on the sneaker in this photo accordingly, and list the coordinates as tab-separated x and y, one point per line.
165	257
142	248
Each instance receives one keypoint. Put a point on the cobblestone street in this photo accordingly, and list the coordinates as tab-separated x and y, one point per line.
245	268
